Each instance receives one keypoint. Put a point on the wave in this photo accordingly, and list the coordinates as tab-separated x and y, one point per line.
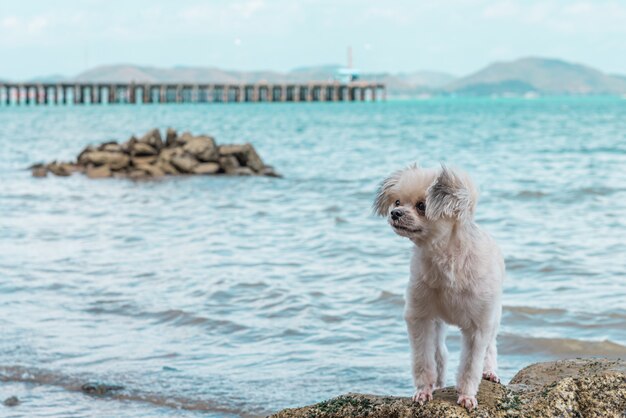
21	374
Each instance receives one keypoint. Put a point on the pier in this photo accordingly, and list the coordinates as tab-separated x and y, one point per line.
150	93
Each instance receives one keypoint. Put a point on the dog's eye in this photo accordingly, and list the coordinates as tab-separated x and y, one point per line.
421	207
397	203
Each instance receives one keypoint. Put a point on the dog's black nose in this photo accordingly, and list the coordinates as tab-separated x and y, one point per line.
396	214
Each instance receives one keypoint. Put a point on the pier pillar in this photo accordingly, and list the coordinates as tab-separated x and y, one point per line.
255	93
296	93
162	93
179	94
362	94
195	94
7	95
42	91
241	90
112	94
95	94
132	94
210	95
225	94
270	93
283	93
309	93
147	94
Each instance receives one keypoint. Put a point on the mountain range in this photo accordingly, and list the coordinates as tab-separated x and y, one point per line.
534	76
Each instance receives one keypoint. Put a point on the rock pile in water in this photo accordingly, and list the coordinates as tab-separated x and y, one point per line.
152	157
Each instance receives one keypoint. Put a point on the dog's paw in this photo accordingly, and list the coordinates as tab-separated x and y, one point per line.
491	376
467	402
423	396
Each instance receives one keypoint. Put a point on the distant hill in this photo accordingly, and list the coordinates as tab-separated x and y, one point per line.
538	75
542	76
398	84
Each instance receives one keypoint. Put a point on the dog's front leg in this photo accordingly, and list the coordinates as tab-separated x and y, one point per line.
470	370
422	338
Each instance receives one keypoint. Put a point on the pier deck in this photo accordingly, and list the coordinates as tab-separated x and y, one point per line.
145	93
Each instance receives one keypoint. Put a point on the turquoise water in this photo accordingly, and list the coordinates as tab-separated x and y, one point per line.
217	296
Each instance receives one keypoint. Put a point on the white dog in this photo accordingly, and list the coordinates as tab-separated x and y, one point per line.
456	278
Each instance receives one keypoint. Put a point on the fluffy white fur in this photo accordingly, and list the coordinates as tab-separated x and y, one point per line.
456	278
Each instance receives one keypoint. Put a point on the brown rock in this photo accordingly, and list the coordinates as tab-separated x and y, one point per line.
203	148
167	167
182	139
116	160
152	138
170	137
143	160
167	153
229	163
206	168
94	172
141	149
184	163
39	170
111	147
138	175
61	169
565	388
81	159
245	154
269	171
153	170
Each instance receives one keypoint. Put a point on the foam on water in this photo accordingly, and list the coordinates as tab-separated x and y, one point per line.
241	296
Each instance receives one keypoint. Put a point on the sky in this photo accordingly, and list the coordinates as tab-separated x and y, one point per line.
39	38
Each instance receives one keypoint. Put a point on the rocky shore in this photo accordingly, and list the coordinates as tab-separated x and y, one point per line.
152	157
566	388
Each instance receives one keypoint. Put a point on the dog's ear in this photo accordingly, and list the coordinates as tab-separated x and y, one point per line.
451	195
384	199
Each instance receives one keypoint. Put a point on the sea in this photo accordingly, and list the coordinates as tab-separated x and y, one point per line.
220	296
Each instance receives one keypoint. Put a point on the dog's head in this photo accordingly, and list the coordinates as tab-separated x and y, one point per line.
421	202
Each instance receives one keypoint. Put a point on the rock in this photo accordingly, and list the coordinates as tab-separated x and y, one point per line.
100	388
565	388
152	138
135	174
143	160
229	164
170	137
184	163
206	168
269	171
182	140
168	153
203	148
167	167
102	171
245	154
11	401
152	170
115	160
111	146
141	149
61	169
39	170
150	157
